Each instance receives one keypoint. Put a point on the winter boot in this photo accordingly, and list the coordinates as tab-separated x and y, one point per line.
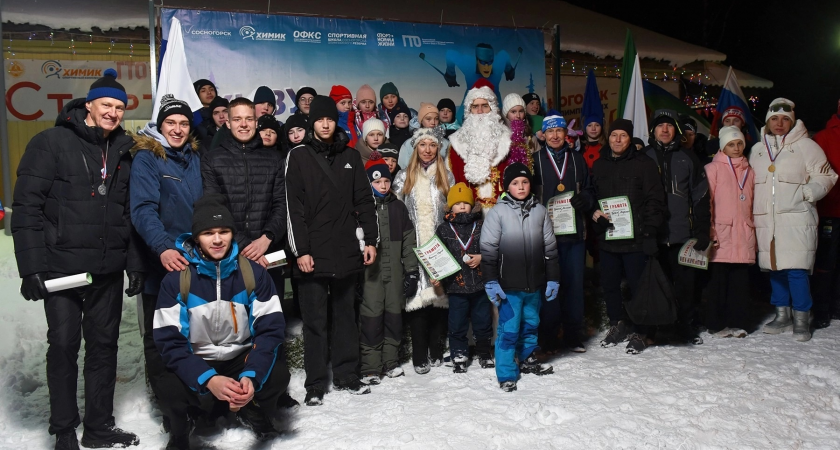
423	369
395	372
822	320
802	325
689	335
616	334
636	345
371	380
67	441
107	437
781	323
253	418
314	397
508	386
459	363
486	361
286	401
354	386
531	365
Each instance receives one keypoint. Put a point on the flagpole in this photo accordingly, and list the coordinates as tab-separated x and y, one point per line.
4	144
152	53
557	66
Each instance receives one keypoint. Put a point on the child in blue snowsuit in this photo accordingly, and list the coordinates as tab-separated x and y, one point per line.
518	264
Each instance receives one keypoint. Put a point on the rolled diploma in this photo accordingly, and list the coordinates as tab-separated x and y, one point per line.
276	259
73	281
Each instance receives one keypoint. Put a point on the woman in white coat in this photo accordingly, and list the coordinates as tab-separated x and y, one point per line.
791	175
423	186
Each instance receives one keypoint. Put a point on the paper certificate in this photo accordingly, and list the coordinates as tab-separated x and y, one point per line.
620	214
436	259
693	258
562	214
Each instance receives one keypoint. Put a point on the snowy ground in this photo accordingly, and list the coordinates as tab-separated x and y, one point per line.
760	392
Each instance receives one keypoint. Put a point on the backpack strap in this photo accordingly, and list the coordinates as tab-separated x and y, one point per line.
247	275
186	278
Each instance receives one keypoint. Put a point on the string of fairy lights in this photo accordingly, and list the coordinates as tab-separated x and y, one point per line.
77	40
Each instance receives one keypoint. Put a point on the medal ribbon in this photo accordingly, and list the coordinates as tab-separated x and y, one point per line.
105	162
458	237
770	153
743	182
560	175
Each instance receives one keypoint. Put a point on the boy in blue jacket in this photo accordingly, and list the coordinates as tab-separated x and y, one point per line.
225	338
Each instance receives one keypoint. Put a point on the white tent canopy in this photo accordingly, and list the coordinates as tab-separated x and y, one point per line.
717	77
576	24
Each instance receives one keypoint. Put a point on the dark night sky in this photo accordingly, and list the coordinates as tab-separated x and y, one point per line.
794	43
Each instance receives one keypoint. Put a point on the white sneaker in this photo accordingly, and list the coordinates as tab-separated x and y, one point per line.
739	333
395	372
371	380
724	333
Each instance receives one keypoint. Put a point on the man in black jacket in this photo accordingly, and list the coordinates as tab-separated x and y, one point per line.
329	197
689	215
71	215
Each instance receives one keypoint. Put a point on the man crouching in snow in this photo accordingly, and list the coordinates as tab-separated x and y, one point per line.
219	328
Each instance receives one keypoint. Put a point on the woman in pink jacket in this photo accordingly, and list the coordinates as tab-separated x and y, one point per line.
731	183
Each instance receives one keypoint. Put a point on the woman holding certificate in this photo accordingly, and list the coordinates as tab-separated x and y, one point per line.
632	208
423	186
791	175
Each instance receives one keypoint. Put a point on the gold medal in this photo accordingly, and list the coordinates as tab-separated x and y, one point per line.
561	187
772	168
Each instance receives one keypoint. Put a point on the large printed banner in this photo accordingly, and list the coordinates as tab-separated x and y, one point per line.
38	89
427	62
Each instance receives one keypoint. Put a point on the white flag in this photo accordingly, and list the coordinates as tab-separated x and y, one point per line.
174	76
634	108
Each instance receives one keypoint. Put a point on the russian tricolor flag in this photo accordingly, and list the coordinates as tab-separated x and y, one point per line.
732	97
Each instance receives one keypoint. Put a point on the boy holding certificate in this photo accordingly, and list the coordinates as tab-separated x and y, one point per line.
518	263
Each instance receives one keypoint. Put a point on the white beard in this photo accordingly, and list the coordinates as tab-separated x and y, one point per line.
482	142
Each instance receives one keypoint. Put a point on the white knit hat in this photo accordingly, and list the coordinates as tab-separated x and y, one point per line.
424	133
778	107
729	134
510	101
372	124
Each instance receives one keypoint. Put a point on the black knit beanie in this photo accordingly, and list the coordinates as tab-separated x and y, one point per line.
107	86
265	94
447	103
169	105
203	82
622	124
211	211
304	90
297	121
389	150
322	106
516	170
219	102
268	122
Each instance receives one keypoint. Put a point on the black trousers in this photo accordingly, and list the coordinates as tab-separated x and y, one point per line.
729	296
153	361
338	343
428	327
826	278
94	311
683	279
177	400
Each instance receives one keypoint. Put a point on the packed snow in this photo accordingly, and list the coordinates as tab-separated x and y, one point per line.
758	392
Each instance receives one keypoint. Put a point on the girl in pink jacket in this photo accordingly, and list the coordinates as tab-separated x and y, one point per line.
731	183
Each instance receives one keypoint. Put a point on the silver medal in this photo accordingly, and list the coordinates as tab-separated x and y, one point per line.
743	197
466	258
102	189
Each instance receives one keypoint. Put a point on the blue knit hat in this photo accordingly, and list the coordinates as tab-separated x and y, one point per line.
553	120
107	86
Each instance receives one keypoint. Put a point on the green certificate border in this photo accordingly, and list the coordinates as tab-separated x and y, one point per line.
419	258
632	224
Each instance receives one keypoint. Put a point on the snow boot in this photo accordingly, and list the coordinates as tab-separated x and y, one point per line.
460	364
781	323
531	365
636	345
508	386
689	335
436	362
423	369
286	401
67	441
486	361
314	397
108	437
395	372
616	334
253	418
822	320
353	386
802	325
371	380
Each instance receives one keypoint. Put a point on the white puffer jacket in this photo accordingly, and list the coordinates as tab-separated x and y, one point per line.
784	208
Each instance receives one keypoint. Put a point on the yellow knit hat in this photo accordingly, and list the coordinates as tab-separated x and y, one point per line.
460	193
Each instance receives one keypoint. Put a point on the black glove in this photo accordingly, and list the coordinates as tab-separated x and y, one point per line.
649	246
702	242
33	288
510	74
604	223
135	283
450	80
578	202
410	281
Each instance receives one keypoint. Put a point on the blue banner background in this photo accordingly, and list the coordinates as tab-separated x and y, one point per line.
239	52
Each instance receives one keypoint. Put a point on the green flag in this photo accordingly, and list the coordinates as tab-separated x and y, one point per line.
626	71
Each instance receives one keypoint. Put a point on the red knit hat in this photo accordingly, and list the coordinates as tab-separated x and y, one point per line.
339	93
377	168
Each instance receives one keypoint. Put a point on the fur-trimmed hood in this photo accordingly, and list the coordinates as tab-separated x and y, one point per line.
150	139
